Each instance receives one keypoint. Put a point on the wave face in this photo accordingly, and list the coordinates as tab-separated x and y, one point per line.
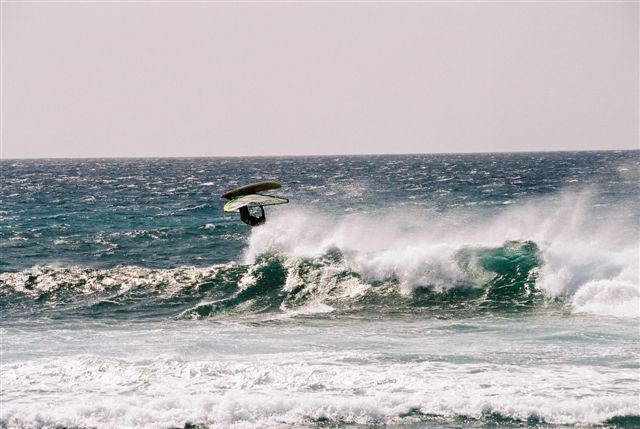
536	255
540	249
499	279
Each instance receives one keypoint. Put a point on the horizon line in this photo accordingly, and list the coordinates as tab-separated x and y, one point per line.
318	155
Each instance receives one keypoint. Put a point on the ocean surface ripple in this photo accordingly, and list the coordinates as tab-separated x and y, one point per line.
497	290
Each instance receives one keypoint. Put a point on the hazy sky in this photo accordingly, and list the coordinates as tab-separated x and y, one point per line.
94	79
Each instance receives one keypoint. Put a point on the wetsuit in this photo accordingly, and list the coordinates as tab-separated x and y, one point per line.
246	217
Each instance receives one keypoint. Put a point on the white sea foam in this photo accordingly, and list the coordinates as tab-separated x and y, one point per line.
297	388
578	246
84	280
608	297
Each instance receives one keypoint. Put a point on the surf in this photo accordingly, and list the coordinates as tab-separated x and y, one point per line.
302	262
581	256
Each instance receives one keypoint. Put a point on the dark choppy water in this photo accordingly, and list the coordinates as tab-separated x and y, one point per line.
410	291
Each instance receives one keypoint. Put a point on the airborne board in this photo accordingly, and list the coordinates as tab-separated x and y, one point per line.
250	189
253	200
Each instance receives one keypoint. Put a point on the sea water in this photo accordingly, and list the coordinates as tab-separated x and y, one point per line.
413	291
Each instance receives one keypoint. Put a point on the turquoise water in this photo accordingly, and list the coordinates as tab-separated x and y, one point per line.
448	291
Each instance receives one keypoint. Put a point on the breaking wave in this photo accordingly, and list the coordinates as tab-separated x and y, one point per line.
526	257
560	248
488	278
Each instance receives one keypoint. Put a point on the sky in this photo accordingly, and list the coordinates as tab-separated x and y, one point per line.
156	79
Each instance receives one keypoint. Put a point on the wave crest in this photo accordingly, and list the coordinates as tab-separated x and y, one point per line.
301	263
576	242
486	278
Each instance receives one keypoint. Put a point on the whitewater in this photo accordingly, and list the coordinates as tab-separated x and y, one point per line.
406	291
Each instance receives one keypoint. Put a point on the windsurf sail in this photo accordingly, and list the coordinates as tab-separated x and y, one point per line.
253	200
250	189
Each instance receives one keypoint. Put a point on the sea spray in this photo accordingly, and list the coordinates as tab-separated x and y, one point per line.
575	249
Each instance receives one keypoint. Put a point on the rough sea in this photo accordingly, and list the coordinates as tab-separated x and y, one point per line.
413	291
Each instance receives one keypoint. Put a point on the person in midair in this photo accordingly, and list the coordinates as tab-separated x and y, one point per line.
246	217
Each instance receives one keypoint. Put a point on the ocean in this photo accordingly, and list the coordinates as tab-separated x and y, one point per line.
399	291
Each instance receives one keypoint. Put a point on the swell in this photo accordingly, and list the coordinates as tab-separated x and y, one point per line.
544	251
496	279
